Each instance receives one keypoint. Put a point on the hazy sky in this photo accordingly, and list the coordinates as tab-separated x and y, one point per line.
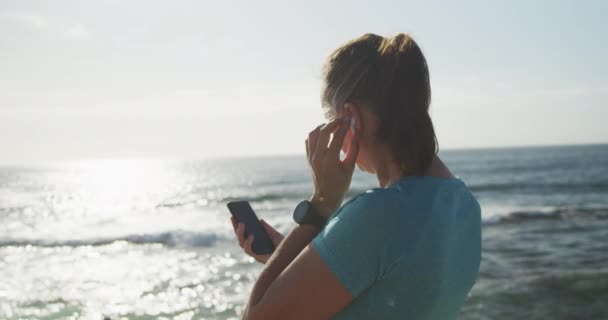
90	79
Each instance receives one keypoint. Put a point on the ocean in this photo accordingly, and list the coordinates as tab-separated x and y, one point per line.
152	239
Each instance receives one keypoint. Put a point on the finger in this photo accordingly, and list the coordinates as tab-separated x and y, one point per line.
324	135
247	245
313	137
240	234
307	150
233	220
353	150
331	126
338	140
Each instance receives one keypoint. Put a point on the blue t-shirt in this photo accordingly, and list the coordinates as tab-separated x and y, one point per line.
409	251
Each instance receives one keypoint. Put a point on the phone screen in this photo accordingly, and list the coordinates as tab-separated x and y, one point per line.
243	213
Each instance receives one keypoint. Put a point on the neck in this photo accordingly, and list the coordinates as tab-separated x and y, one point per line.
390	172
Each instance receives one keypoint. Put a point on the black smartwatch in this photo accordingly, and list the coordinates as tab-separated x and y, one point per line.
306	214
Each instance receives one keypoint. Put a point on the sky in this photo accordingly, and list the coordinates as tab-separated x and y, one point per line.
196	79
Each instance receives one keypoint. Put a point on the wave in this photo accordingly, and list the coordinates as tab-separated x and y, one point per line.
555	214
169	239
296	196
263	197
258	198
292	195
183	238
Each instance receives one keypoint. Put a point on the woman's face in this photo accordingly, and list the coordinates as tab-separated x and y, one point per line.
365	123
361	156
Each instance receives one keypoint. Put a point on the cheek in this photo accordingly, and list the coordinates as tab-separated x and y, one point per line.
347	140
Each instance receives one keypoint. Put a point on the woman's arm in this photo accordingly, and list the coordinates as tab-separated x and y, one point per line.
284	254
296	288
296	283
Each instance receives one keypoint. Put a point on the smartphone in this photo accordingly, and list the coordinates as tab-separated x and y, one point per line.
242	212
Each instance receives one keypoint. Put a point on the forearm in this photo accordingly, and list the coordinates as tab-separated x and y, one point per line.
285	253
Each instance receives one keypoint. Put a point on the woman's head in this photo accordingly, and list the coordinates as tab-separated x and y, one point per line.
384	83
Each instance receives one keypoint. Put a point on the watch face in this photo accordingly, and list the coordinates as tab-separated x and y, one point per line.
299	214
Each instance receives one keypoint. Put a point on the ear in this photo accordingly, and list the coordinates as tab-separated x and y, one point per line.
353	110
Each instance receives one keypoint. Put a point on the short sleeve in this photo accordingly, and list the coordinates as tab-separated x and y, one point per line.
353	244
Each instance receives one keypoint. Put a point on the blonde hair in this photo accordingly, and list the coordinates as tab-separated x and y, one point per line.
389	76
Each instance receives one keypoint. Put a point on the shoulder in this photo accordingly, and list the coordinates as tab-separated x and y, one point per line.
376	196
461	197
376	201
377	210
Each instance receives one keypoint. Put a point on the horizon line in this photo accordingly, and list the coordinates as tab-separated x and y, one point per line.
263	156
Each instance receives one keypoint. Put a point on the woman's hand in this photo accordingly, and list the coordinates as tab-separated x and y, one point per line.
239	231
331	175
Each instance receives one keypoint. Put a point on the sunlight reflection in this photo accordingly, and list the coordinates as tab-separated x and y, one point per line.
124	178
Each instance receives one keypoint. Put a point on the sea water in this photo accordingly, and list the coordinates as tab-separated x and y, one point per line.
151	239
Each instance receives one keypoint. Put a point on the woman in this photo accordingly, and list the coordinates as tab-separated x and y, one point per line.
409	249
